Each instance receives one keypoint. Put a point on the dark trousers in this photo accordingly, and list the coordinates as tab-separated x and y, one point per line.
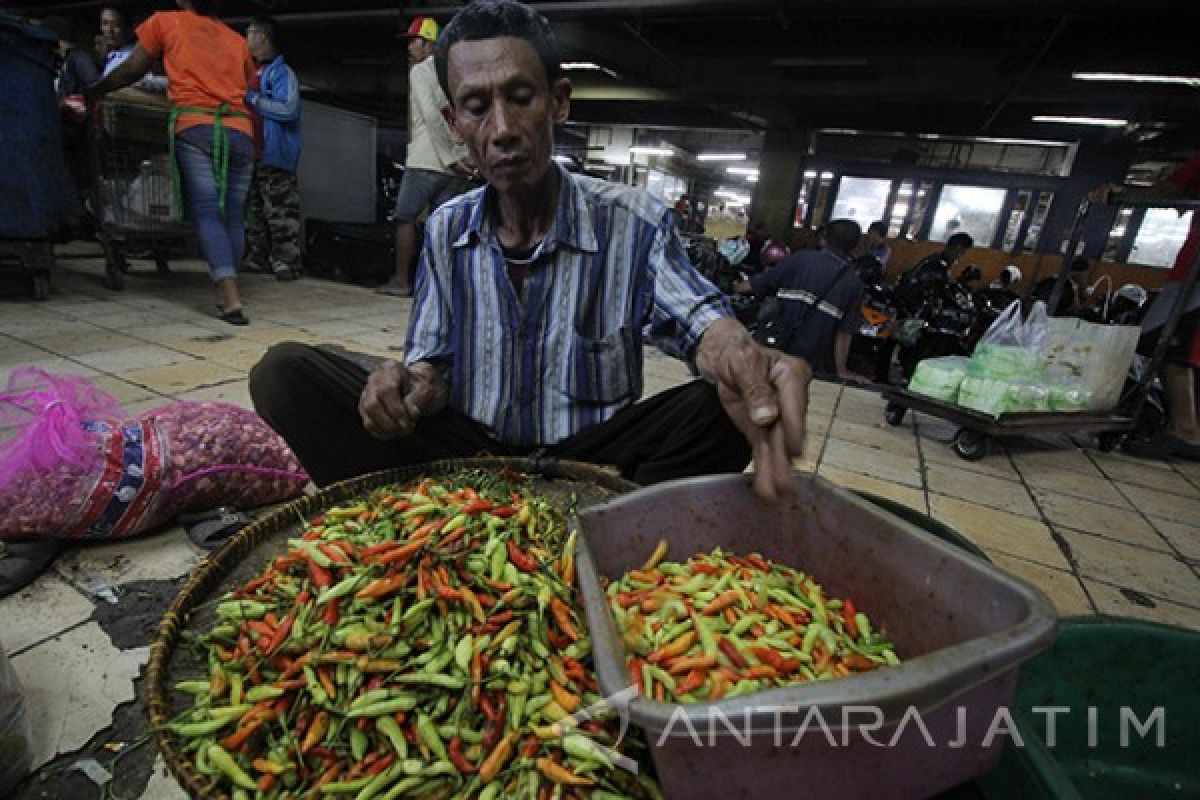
310	396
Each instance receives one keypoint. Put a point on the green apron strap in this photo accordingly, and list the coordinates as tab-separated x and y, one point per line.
220	149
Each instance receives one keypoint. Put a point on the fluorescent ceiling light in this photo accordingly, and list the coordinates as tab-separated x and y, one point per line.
721	157
826	176
1103	122
742	171
741	198
564	159
588	66
600	167
752	178
1130	77
810	173
651	151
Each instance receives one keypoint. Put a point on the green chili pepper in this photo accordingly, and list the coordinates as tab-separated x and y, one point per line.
391	706
223	761
389	728
427	732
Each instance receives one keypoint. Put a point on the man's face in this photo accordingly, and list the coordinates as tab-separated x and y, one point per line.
112	28
953	254
257	41
419	49
503	107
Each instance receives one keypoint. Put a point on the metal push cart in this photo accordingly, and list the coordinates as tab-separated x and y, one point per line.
134	199
976	430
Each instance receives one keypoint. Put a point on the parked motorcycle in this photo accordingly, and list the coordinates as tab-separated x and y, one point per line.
874	344
942	324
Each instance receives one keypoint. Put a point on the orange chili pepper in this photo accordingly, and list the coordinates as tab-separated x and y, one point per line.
562	615
720	603
675	649
569	702
680	666
557	773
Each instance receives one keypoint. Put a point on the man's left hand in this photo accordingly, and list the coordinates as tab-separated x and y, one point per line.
765	394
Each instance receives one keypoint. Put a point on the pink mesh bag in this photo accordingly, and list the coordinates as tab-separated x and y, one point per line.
78	467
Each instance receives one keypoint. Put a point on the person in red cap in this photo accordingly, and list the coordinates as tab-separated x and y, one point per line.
435	168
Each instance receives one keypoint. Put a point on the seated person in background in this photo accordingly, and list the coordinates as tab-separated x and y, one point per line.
819	298
119	42
931	271
531	298
874	243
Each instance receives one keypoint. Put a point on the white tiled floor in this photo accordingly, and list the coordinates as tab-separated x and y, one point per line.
1100	533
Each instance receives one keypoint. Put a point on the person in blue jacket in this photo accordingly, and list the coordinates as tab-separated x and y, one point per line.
273	210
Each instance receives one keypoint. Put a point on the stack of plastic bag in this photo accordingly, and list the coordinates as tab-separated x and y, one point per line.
939	378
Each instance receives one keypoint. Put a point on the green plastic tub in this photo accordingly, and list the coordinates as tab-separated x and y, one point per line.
1106	664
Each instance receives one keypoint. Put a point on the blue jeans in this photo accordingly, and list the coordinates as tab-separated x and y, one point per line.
222	234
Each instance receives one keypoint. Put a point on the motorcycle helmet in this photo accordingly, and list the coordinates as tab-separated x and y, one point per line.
1132	294
772	253
734	249
1011	275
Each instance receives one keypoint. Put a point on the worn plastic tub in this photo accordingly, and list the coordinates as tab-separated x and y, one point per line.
1116	667
961	627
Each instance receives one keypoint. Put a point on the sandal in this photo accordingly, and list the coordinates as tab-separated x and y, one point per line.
22	562
235	317
209	529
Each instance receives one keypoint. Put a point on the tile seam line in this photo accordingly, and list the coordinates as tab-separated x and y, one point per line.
1108	583
1179	556
1065	548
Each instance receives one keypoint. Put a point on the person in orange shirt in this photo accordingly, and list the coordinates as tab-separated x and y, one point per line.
209	69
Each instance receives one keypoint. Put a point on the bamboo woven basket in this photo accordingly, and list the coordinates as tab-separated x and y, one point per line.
246	552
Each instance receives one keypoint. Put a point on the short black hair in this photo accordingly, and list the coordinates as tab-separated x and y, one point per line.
962	240
268	26
842	235
492	19
67	30
877	226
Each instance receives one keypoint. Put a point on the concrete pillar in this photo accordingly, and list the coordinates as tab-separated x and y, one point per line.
780	170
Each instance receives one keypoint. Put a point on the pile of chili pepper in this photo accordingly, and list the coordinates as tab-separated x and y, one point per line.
723	625
423	642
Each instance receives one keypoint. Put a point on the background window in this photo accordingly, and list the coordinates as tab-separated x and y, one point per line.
861	199
967	209
1160	236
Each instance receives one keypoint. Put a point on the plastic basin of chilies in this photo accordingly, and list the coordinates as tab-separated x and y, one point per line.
960	626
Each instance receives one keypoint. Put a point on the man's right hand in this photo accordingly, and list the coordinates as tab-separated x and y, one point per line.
396	396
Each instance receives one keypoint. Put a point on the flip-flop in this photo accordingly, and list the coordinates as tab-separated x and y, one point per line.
235	317
210	529
22	562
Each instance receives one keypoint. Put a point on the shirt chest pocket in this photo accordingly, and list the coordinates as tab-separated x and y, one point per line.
602	371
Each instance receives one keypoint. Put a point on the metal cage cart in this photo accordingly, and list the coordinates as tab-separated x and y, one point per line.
137	211
976	430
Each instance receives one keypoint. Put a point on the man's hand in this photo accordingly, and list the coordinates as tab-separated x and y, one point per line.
765	394
396	396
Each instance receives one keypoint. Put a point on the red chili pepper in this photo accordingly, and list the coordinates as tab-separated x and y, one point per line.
520	559
488	708
320	576
382	764
503	512
345	546
335	555
332	614
281	633
476	506
322	752
448	594
727	647
460	761
530	746
848	612
768	656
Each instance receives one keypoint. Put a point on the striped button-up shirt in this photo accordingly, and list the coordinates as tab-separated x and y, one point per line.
567	353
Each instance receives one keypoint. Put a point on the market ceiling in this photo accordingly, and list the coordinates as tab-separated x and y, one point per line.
722	69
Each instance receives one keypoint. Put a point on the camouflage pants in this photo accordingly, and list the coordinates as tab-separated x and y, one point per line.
273	221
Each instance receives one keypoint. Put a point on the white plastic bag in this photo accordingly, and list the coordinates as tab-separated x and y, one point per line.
1094	357
16	753
1013	347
